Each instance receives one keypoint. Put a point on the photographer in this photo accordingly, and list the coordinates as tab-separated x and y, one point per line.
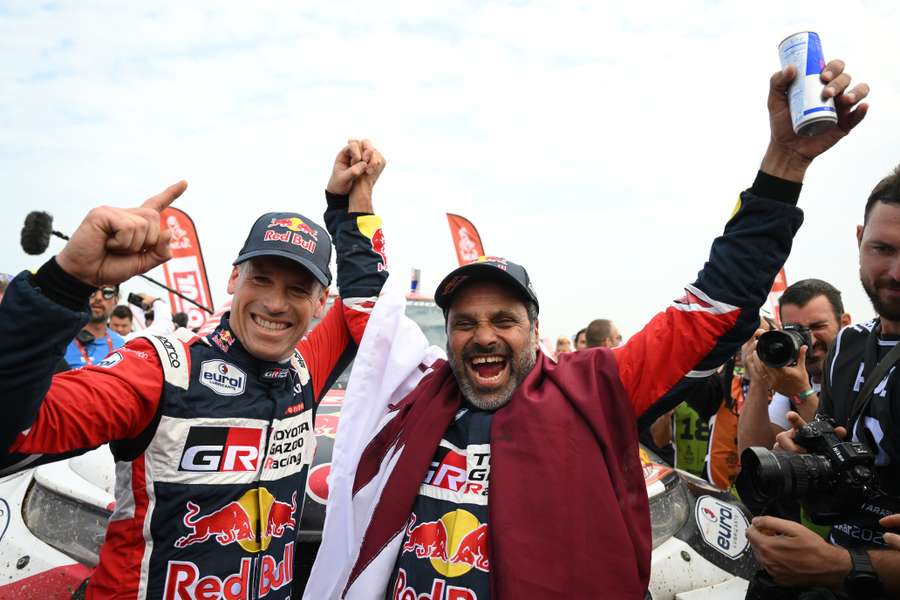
869	411
812	305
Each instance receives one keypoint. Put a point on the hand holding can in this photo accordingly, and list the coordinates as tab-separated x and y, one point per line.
789	154
812	111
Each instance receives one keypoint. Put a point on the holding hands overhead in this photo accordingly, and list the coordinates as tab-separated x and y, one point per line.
356	169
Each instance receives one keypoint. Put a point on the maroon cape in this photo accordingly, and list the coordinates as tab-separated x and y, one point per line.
569	516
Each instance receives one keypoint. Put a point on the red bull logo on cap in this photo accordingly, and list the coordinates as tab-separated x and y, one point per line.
237	521
295	224
455	544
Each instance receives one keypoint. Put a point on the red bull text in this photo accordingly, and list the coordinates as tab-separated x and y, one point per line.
185	582
439	590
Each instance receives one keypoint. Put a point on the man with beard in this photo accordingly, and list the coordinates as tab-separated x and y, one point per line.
810	303
96	339
502	474
856	351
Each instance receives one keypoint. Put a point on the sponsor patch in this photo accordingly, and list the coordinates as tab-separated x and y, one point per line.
292	446
111	360
221	449
722	526
223	378
460	475
171	353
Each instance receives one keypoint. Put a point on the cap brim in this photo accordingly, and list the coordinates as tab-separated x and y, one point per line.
310	266
479	272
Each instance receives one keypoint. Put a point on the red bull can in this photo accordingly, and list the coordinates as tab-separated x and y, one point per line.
810	113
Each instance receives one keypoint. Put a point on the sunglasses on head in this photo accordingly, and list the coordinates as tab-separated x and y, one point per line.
107	292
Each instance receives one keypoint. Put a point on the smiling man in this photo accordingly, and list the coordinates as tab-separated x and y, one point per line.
505	475
96	339
213	437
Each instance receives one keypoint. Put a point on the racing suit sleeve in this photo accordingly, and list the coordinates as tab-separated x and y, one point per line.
361	273
75	410
719	311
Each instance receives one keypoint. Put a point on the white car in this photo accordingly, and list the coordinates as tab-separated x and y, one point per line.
53	517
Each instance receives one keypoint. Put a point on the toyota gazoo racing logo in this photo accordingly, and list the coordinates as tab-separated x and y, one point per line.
236	522
223	378
454	544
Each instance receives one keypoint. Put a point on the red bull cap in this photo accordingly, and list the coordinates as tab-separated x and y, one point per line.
486	268
291	236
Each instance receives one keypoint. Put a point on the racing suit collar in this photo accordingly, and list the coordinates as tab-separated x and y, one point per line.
225	340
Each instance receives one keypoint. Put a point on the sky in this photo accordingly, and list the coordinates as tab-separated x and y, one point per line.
602	145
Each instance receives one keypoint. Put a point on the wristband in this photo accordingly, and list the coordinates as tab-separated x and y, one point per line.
806	394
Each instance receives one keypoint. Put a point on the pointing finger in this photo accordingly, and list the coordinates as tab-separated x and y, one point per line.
162	200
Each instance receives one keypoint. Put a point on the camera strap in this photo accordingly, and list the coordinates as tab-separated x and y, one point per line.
872	380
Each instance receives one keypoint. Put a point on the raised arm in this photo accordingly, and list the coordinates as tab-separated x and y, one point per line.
42	313
719	311
361	263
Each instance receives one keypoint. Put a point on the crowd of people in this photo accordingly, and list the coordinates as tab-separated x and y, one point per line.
550	501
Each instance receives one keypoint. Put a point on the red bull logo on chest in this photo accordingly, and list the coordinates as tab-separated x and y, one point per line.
240	520
454	544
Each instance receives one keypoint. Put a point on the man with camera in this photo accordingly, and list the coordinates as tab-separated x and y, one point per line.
854	479
813	313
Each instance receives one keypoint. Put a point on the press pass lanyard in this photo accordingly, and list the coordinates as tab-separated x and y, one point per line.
87	357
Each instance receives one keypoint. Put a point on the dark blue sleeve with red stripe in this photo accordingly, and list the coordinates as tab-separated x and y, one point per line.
719	311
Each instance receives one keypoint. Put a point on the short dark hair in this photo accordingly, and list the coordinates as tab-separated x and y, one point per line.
801	292
887	190
122	312
180	319
597	331
580	331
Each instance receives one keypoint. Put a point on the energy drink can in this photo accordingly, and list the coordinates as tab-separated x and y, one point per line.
810	113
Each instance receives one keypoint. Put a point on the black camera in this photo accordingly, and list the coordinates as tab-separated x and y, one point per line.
831	481
780	347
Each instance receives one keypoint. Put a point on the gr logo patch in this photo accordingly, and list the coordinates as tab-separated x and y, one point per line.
224	449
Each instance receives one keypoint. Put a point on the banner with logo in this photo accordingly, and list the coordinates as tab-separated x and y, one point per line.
466	240
186	271
778	288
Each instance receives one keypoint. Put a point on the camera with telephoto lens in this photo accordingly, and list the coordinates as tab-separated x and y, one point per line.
781	347
831	481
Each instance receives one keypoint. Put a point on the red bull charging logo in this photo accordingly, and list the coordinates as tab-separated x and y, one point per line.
455	543
295	224
237	521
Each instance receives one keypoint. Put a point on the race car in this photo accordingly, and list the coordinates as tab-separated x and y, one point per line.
53	517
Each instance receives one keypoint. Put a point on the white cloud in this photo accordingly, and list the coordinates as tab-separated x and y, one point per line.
602	145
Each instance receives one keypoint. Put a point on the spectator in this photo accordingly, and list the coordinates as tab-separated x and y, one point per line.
180	319
581	339
96	339
121	320
602	333
810	303
563	345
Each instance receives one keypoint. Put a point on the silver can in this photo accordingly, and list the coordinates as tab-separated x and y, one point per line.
810	113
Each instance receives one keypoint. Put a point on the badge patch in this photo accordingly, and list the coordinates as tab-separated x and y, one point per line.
223	378
722	526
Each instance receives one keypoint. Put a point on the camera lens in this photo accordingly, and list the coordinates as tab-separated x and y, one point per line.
767	475
778	348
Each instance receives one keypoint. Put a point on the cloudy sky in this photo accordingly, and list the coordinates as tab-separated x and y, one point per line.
600	144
